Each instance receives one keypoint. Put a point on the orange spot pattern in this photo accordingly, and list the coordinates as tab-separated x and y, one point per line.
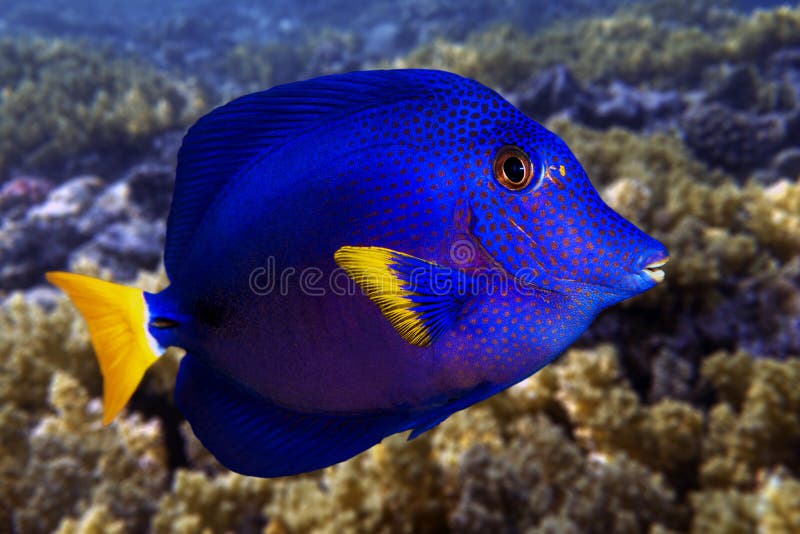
411	167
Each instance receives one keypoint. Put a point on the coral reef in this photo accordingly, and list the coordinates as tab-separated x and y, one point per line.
119	226
733	280
255	66
199	503
62	99
676	411
540	455
636	46
757	425
195	38
74	462
731	139
740	78
536	458
57	458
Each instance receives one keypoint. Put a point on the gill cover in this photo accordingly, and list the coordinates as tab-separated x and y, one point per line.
117	319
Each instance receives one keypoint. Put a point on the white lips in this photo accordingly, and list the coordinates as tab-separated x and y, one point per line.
653	270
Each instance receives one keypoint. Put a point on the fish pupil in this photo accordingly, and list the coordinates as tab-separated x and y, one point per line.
163	323
514	169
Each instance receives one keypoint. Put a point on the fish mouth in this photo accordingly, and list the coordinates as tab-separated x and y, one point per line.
652	270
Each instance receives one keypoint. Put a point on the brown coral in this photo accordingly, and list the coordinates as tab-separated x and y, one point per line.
197	503
762	429
74	463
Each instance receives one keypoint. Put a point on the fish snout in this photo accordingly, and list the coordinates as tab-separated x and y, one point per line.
652	269
651	263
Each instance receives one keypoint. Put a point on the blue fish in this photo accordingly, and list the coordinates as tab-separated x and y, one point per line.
362	254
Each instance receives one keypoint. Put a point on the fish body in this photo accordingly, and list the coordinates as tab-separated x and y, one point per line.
362	254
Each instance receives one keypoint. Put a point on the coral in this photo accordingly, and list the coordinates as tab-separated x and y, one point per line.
33	345
758	423
607	417
638	46
61	98
257	66
772	507
73	460
706	13
774	217
723	511
734	250
779	502
572	448
499	57
763	32
633	49
734	87
480	426
543	477
96	520
19	194
394	487
57	458
197	503
736	141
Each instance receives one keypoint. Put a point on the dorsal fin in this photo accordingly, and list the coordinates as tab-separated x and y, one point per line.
225	141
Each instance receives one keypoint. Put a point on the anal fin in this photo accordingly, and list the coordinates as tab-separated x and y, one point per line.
253	436
456	402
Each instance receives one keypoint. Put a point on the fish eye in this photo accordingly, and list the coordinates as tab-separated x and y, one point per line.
162	323
513	168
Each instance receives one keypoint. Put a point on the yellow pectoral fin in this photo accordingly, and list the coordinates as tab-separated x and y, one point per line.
116	317
405	290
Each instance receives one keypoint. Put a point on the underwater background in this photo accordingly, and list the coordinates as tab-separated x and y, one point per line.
677	411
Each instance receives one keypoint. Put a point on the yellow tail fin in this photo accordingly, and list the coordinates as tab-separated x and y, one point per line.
117	319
